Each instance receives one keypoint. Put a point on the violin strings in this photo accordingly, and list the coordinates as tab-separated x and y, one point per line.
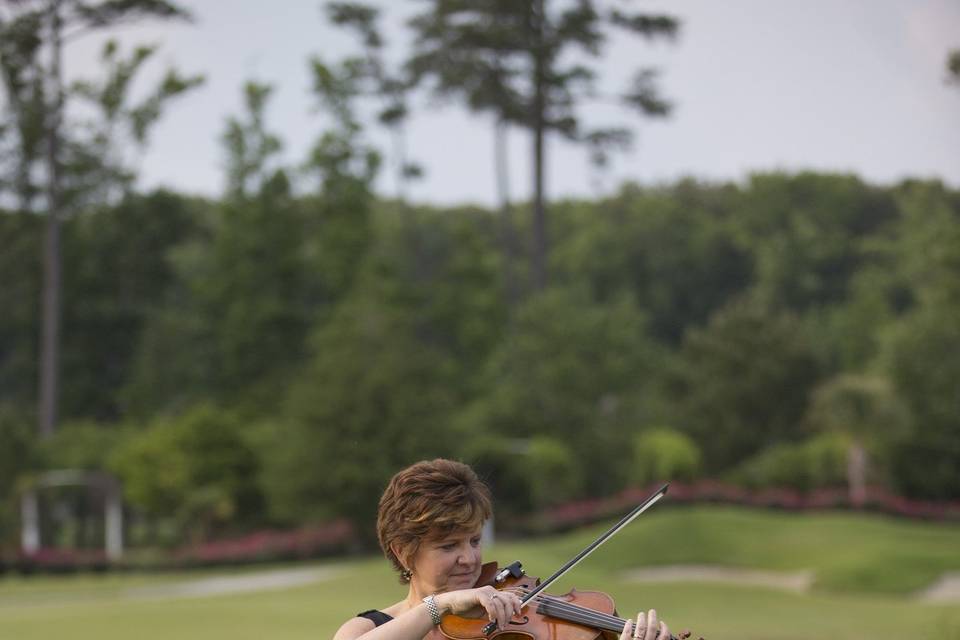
579	613
585	615
577	609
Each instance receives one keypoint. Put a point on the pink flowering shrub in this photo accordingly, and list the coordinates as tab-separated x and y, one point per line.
53	560
580	512
269	545
261	546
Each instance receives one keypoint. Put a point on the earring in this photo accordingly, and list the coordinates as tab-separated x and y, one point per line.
406	574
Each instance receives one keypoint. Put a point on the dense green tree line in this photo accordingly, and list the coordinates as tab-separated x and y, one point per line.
693	322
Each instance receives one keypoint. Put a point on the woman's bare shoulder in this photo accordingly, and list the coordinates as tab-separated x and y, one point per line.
354	628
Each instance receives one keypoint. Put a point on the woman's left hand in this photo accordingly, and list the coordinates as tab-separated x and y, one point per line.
646	627
498	606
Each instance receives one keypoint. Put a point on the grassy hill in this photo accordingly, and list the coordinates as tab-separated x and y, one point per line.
847	552
866	567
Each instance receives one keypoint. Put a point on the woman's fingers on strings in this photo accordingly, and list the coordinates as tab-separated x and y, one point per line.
504	615
511	606
489	603
498	607
647	627
510	600
517	604
516	597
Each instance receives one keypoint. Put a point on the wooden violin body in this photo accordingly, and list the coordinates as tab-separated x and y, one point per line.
576	615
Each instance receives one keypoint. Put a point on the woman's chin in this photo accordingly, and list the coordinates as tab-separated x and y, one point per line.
462	581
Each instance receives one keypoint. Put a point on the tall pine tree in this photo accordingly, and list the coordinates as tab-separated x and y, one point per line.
515	59
33	34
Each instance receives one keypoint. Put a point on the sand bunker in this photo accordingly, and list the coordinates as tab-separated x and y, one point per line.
943	591
797	581
946	589
230	585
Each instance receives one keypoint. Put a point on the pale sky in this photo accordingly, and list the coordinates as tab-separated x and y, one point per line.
853	86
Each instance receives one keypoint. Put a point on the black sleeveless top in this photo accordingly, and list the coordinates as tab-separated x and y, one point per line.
378	617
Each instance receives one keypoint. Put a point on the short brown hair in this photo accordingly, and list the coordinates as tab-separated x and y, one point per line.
429	500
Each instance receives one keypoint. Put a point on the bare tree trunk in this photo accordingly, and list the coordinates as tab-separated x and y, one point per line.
50	339
507	232
539	106
400	163
857	473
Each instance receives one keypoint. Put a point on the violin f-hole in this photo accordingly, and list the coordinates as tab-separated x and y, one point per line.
521	620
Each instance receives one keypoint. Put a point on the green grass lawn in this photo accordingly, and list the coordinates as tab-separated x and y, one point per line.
866	569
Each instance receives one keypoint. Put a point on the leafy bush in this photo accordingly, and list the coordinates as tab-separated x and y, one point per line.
921	356
818	462
555	473
741	383
197	469
663	453
526	474
80	445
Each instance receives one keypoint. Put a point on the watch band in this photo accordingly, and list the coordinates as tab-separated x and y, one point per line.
434	610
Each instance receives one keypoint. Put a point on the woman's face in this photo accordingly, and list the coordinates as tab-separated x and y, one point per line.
449	563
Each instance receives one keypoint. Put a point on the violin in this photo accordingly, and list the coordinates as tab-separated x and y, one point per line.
576	615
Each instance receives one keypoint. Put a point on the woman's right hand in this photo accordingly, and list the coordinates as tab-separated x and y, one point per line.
499	606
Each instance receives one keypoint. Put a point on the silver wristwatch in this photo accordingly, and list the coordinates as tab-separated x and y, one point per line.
432	607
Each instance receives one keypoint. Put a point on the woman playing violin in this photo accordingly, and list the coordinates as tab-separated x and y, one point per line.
428	524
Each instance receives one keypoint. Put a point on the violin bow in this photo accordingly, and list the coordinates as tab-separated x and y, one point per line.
590	548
